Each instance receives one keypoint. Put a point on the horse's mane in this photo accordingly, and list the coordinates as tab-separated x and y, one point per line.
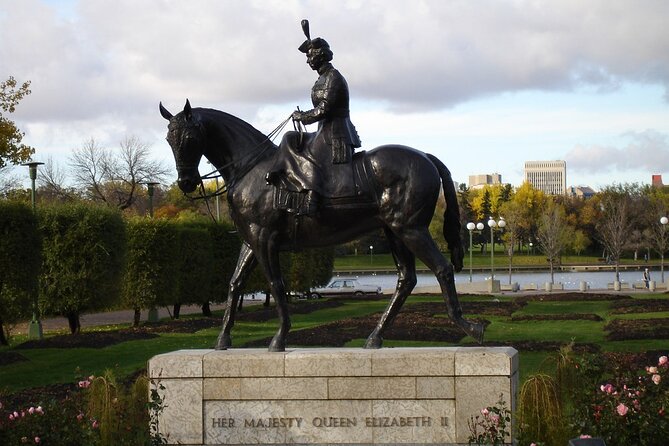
231	127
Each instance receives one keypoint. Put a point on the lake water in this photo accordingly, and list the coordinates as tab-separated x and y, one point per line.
569	280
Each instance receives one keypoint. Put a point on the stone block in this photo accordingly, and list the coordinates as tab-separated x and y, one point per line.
474	393
435	387
480	361
243	363
372	388
414	361
179	364
181	419
321	362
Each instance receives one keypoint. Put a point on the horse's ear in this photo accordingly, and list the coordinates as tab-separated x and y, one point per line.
188	111
163	111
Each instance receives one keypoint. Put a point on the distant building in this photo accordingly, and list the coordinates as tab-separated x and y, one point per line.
581	191
547	176
482	180
657	181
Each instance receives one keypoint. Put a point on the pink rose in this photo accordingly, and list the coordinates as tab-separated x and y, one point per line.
656	379
39	410
608	388
651	369
622	409
663	361
11	417
95	424
80	416
31	410
37	440
485	412
533	444
495	418
84	384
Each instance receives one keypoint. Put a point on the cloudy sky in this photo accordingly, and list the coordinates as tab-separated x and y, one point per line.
484	85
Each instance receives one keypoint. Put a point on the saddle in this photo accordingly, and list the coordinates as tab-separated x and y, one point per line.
351	187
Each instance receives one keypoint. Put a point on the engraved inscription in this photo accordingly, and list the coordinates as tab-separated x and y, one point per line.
289	422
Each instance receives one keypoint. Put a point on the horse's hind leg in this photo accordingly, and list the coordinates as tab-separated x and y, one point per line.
406	281
245	264
422	244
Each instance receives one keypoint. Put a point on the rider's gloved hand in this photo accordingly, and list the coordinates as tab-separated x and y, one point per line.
297	115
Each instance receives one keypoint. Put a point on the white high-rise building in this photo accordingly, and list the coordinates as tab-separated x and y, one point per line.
547	176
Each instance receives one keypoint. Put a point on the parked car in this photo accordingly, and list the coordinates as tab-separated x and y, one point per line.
344	287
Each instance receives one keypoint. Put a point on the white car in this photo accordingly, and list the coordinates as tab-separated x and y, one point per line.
344	287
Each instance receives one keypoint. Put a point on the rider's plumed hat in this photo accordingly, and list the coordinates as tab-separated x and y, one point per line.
315	44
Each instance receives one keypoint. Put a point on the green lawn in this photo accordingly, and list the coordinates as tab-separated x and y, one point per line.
50	366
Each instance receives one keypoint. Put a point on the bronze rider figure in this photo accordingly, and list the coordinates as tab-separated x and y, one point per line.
323	167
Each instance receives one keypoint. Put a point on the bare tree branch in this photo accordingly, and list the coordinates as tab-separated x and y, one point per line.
113	177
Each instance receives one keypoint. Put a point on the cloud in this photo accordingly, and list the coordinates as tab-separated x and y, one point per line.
107	55
646	151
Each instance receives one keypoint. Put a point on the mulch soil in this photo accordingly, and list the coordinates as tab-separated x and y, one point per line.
569	296
640	306
558	317
627	329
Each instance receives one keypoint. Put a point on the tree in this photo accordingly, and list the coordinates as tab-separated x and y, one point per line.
19	262
83	257
52	184
153	259
614	227
12	151
531	201
579	242
114	178
553	233
513	216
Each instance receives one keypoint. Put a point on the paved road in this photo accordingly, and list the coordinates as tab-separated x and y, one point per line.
116	317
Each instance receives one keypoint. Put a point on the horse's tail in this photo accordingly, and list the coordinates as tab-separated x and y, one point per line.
452	224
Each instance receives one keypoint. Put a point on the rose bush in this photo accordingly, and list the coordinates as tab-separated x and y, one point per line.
629	406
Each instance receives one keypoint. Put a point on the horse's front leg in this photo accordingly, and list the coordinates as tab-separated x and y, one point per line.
267	255
245	264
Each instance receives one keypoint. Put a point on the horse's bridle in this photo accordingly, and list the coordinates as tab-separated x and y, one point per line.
249	160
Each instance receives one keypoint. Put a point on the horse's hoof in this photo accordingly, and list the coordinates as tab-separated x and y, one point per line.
223	343
373	342
277	345
476	331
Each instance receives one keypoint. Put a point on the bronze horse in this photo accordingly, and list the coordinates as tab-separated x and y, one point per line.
406	185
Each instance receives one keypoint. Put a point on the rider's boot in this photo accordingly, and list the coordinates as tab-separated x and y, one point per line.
310	205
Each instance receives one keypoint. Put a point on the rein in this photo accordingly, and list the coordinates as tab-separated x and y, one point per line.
252	156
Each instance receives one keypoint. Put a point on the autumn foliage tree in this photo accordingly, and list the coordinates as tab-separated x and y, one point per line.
12	150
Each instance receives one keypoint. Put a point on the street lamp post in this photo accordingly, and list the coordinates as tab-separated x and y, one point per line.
150	186
371	254
470	227
35	326
663	222
492	223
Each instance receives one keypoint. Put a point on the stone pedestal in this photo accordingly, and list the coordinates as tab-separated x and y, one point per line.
330	396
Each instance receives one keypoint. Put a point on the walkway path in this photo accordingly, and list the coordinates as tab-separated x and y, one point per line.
116	317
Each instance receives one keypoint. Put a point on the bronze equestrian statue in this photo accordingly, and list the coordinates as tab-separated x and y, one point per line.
319	166
392	187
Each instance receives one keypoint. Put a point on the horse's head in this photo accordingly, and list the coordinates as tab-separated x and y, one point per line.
185	134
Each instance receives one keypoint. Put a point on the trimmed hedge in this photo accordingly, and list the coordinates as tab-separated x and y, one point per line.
83	260
152	273
20	257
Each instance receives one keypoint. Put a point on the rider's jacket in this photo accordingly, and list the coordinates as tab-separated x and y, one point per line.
330	99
